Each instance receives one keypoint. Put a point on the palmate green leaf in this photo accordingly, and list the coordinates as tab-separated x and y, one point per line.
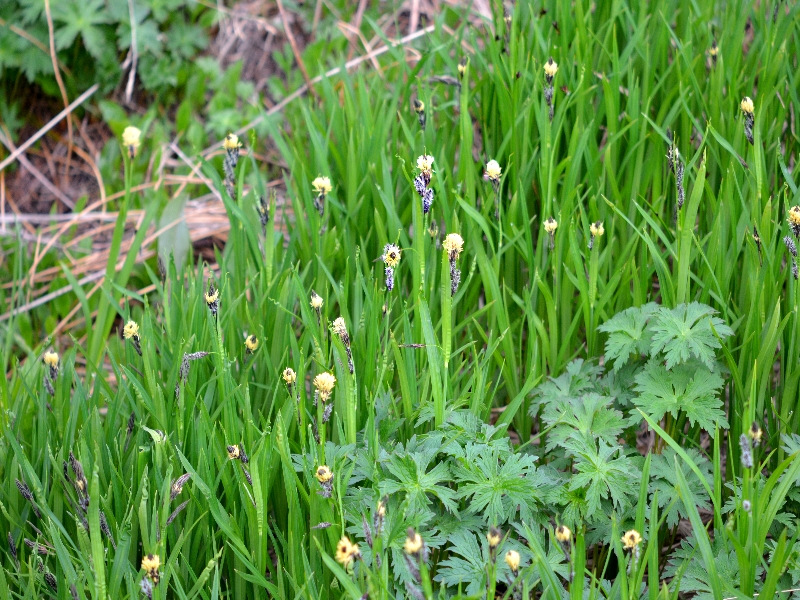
695	579
601	475
688	388
498	487
684	332
84	18
628	334
418	483
591	416
579	378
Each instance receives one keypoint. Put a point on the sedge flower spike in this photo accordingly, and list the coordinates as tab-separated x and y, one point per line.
346	552
322	187
492	173
231	145
323	388
512	560
419	108
391	258
748	109
150	565
251	344
453	245
550	70
422	182
596	230
131	332
794	220
339	328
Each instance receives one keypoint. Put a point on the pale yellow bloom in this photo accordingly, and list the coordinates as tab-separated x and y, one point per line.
563	534
251	343
453	244
289	376
550	225
324	383
339	327
413	542
316	300
231	142
323	474
747	105
151	562
131	139
550	68
425	164
51	359
493	170
346	552
322	185
794	216
212	298
391	255
234	452
631	539
512	560
596	229
493	537
130	330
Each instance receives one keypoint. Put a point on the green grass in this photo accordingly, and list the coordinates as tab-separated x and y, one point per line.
417	422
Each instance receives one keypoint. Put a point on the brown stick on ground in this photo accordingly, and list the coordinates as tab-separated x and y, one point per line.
295	49
61	87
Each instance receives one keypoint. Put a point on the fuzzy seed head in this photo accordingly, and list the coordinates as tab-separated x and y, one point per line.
425	164
493	171
234	452
550	225
563	534
251	343
322	185
132	138
51	359
391	255
316	300
747	105
596	229
512	560
413	543
131	330
453	244
346	552
631	539
323	474
231	142
550	68
324	383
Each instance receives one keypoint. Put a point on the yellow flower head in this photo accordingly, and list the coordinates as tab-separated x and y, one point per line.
339	327
322	185
381	508
756	432
132	138
391	255
51	359
512	560
425	164
492	171
596	229
631	539
324	383
346	551
747	105
231	142
251	343
289	376
212	296
714	50
413	542
323	474
550	68
462	66
131	330
419	106
794	216
316	300
494	536
151	562
453	244
234	452
563	534
550	225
